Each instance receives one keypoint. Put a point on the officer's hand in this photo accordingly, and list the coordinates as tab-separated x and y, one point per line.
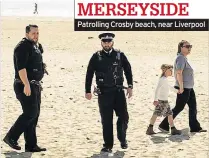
129	92
27	90
45	70
88	96
155	103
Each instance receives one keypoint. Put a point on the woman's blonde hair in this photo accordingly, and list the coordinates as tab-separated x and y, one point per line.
181	45
165	67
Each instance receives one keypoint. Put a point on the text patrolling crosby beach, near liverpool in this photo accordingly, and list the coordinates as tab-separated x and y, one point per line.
140	25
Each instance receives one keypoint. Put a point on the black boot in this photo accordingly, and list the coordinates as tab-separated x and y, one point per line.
13	144
105	149
35	149
124	145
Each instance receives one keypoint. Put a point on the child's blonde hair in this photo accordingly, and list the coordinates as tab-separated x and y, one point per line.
165	67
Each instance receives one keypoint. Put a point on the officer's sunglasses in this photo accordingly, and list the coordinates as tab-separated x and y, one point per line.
107	40
188	46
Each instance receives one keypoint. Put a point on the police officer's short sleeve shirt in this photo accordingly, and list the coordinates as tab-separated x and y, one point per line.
21	53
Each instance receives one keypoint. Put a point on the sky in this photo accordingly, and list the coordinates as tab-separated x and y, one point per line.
63	8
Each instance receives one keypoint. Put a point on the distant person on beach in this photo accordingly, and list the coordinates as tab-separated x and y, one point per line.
108	65
29	71
184	76
161	103
36	9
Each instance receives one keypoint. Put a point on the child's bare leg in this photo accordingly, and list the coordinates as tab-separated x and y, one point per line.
150	130
153	119
170	120
174	131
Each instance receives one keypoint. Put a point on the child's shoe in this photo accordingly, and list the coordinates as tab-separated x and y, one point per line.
150	131
174	131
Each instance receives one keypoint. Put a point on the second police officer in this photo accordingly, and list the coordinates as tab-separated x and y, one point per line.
108	65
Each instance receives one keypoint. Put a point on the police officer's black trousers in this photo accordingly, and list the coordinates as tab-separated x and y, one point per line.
27	122
110	101
187	97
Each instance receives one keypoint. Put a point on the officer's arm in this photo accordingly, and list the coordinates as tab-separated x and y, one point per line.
127	70
21	55
90	74
44	64
41	48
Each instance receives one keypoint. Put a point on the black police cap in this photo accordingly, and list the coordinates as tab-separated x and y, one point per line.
106	36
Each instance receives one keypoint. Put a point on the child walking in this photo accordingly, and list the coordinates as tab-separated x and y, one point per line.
161	101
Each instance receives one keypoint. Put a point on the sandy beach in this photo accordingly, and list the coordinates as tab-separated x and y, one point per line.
69	125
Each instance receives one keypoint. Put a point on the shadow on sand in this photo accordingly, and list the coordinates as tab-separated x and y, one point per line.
174	138
14	154
117	154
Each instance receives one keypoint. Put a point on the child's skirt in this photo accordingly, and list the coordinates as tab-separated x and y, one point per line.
163	109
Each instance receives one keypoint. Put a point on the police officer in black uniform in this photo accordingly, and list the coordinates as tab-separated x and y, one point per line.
108	65
29	70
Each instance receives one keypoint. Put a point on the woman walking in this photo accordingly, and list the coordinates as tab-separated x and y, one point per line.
184	76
